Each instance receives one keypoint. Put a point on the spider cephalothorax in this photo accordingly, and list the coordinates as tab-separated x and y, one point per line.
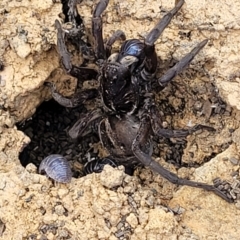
129	116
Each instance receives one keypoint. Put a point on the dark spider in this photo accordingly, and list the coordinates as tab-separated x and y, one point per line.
129	117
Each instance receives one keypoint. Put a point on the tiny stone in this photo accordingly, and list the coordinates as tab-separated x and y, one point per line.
112	177
132	220
2	184
43	237
119	234
68	151
62	193
52	140
54	231
150	200
237	190
233	174
229	196
50	235
217	181
63	144
220	187
31	168
120	225
237	204
165	124
178	210
234	161
235	184
227	186
198	105
233	194
59	210
35	148
42	210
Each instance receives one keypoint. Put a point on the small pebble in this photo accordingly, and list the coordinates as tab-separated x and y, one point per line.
31	168
234	161
237	204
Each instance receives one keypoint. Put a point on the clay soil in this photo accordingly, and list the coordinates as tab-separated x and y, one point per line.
113	205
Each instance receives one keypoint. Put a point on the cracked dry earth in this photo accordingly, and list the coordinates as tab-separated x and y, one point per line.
113	205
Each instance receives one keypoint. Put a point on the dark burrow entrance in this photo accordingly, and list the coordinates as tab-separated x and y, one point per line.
47	130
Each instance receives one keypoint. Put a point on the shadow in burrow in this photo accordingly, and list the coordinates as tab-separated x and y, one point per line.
48	131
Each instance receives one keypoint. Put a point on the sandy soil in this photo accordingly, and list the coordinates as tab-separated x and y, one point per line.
31	207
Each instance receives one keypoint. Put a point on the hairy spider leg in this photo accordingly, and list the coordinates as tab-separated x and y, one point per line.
97	29
117	35
101	51
181	65
146	160
155	33
81	73
82	124
76	100
151	62
156	124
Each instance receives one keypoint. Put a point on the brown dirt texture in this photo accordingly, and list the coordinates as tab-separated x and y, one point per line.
113	205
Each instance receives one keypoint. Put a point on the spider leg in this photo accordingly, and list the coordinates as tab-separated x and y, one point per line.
150	66
117	35
97	29
79	128
155	33
181	65
170	133
76	33
76	100
81	73
71	13
146	160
